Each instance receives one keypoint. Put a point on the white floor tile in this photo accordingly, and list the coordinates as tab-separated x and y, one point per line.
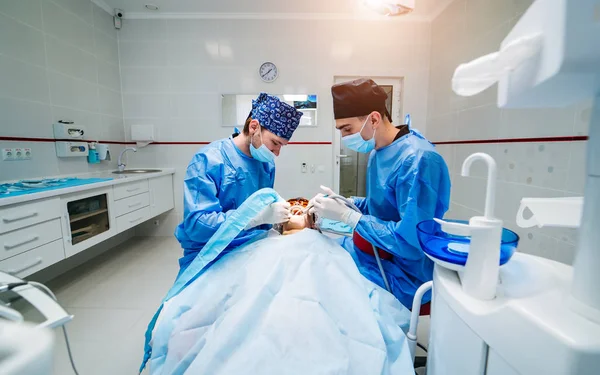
113	297
101	324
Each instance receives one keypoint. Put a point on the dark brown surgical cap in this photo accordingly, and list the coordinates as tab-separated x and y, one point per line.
357	98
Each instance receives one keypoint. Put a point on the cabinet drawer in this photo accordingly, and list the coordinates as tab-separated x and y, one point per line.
132	219
127	205
23	215
130	189
19	241
29	262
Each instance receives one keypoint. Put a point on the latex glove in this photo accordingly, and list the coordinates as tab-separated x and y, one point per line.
336	210
275	213
326	191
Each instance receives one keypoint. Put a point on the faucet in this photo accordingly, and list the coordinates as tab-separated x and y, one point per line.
120	164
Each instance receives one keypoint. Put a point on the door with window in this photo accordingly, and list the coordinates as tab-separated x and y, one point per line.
350	167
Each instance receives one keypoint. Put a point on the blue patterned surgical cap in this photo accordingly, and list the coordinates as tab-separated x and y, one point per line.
276	116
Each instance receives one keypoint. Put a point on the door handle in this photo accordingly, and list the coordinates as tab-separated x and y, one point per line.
342	156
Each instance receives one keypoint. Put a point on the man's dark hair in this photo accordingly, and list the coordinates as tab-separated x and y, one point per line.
384	113
246	130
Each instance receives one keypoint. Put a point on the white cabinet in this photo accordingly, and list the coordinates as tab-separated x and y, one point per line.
24	239
132	219
139	201
161	195
37	233
34	260
30	236
130	189
127	205
22	215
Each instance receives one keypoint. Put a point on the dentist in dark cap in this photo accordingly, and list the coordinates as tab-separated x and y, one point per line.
407	182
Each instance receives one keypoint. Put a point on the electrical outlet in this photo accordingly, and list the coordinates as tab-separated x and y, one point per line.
156	223
8	154
16	154
19	153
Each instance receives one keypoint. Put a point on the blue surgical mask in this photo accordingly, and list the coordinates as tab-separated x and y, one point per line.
357	143
262	154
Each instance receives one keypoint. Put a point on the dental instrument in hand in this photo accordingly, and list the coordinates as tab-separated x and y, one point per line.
349	204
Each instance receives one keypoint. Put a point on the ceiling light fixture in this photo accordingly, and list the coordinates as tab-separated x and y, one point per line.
151	7
391	7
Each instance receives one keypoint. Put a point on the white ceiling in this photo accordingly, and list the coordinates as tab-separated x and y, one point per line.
424	9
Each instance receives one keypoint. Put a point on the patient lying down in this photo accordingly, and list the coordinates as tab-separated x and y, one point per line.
294	305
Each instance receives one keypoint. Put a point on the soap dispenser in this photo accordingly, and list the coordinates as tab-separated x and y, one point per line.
93	154
479	278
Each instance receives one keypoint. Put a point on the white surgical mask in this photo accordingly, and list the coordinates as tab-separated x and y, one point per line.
262	154
357	143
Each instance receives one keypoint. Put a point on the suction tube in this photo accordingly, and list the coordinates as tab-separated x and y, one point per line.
351	205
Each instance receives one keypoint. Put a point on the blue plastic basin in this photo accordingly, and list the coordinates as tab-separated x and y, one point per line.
454	249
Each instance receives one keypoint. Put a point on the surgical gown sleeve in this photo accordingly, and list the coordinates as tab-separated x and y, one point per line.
421	191
361	204
203	213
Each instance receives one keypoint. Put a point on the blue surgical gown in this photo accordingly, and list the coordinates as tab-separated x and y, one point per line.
218	180
407	182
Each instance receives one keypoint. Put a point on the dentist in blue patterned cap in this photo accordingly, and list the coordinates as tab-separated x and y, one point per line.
222	175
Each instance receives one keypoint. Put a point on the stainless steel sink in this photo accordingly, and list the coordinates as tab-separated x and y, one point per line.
137	171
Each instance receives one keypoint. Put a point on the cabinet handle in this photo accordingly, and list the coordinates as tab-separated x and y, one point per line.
25	268
133	189
30	239
134	220
17	218
135	204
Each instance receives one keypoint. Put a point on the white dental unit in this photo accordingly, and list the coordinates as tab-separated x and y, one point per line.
530	315
26	348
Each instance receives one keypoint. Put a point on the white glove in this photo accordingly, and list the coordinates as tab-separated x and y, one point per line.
326	191
336	210
275	213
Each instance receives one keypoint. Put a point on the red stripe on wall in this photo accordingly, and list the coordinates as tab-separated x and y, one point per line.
310	143
178	143
462	142
25	139
516	140
205	143
52	140
21	139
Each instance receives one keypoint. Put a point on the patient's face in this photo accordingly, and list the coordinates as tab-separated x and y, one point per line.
299	219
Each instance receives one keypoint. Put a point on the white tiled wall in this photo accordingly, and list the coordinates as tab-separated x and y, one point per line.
58	61
174	72
468	29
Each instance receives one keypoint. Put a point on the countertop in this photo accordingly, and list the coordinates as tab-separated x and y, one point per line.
116	180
